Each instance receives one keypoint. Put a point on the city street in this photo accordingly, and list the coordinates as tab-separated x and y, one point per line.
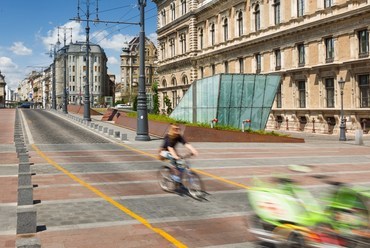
92	190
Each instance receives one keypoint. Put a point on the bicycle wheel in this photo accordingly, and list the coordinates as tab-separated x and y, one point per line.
164	179
194	184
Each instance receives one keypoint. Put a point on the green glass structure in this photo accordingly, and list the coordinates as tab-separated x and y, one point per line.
231	98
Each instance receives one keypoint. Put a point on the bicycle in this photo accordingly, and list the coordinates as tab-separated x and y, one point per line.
189	180
288	215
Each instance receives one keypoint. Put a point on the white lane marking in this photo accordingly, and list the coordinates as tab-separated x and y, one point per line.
27	129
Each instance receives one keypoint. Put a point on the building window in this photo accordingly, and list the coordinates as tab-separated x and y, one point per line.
258	62
302	94
276	12
225	27
173	82
363	84
183	7
363	43
183	43
163	17
300	7
172	47
328	3
277	59
329	46
329	88
163	50
278	97
201	42
164	83
185	80
241	65
257	18
174	99
213	67
173	11
301	55
212	33
239	20
201	71
226	65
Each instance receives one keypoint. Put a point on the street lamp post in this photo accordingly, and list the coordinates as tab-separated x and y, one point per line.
342	127
53	90
87	116
142	112
65	110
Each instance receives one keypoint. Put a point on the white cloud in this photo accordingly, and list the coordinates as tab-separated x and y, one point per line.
11	71
115	42
113	60
20	49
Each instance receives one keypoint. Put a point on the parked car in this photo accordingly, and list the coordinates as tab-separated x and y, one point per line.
25	105
122	106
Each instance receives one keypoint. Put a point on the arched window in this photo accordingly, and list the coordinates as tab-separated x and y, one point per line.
185	80
173	11
164	83
226	28
239	21
201	43
257	18
173	81
163	17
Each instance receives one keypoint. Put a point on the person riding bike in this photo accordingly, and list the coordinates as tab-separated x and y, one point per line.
168	151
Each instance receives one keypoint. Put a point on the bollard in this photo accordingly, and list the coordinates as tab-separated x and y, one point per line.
117	134
213	122
24	179
110	132
96	126
105	129
24	167
123	136
100	128
358	137
25	195
26	219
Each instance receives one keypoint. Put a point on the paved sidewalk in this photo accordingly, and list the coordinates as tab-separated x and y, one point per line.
8	179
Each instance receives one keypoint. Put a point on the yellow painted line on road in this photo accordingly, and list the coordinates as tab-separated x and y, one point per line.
124	209
196	170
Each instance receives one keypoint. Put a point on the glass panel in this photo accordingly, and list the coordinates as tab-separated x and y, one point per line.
259	92
231	98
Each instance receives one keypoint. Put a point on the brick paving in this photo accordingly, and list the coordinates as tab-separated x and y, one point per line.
70	215
8	179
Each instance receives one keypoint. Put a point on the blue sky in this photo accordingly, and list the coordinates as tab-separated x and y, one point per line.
29	27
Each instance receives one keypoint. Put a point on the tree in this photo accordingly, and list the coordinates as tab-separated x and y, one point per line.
134	104
155	98
168	104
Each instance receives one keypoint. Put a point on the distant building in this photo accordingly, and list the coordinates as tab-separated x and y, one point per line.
2	91
72	57
130	61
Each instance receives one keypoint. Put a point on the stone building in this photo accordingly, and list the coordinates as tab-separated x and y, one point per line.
130	61
72	58
312	45
2	90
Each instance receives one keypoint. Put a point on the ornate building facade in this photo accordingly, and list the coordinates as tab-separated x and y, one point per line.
130	61
312	45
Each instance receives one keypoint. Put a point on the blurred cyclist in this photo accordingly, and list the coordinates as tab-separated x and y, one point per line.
168	151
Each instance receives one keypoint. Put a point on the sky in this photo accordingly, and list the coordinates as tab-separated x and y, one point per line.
29	29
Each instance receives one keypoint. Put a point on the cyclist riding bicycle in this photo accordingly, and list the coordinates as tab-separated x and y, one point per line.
168	150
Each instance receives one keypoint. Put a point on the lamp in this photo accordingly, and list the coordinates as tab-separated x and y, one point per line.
142	112
342	127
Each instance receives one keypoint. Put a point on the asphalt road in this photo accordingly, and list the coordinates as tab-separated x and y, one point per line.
93	192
